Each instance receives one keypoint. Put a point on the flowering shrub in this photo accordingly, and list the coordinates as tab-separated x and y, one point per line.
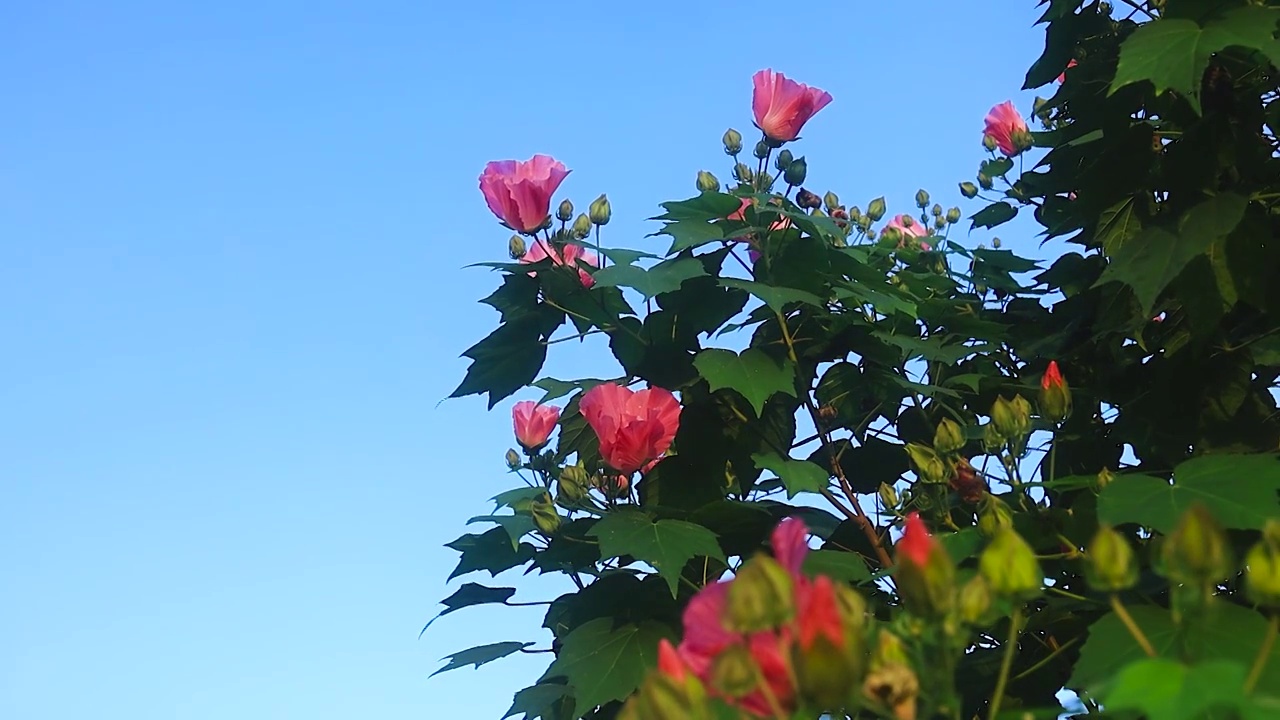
979	481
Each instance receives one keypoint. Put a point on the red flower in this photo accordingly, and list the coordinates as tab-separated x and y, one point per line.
669	662
916	544
533	423
633	427
819	614
1052	376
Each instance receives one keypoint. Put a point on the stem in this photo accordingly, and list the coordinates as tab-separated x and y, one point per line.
1053	456
1264	653
1006	663
1048	659
1132	626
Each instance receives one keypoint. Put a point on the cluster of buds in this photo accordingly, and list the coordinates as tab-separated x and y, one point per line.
767	642
943	463
1009	426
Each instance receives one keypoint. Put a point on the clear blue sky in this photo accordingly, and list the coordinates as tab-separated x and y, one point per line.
231	298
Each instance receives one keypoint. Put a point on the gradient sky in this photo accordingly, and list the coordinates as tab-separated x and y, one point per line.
232	297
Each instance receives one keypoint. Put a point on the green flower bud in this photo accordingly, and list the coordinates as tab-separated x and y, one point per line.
907	221
742	173
573	483
600	211
953	215
922	199
928	464
760	596
1022	413
974	601
992	440
889	651
989	142
855	214
1009	565
936	210
796	172
1196	552
1004	418
985	182
994	516
515	247
995	243
663	697
1104	479
939	224
1109	563
783	161
707	182
1262	568
732	142
831	201
876	209
888	496
564	213
1023	140
969	190
513	459
761	150
734	672
871	235
824	673
949	437
545	517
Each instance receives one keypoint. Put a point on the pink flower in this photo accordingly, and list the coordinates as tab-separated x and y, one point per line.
819	614
533	423
789	544
519	193
783	106
1003	123
916	544
570	256
1063	77
633	427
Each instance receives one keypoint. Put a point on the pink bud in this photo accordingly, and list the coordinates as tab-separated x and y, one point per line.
533	423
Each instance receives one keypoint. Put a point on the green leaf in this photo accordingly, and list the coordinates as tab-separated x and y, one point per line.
705	207
776	298
537	701
1117	225
559	388
517	525
1150	261
688	234
481	655
962	545
1228	633
471	594
797	475
1240	491
517	499
664	277
1173	54
603	663
753	374
623	256
993	215
996	167
508	359
1152	685
838	565
491	551
666	544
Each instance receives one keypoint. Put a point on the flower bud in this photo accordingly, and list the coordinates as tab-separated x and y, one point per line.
573	483
515	247
545	517
1010	419
994	516
796	172
992	440
974	601
925	573
831	201
1196	552
513	459
824	664
564	213
760	596
734	672
1023	140
888	495
922	199
953	216
1104	479
949	437
1262	568
995	243
1109	563
742	173
989	142
581	226
600	211
732	142
1055	395
783	161
928	464
855	215
985	182
663	698
808	200
936	210
939	224
907	221
876	209
969	190
707	182
891	681
1009	565
966	481
764	180
761	150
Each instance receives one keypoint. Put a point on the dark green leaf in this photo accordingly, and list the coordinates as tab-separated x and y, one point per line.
996	167
508	359
517	499
472	594
664	277
537	701
603	663
517	525
776	298
838	565
481	655
707	206
992	215
666	544
1240	491
753	374
559	388
797	475
491	551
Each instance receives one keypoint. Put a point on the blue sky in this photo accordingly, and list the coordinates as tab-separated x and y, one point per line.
232	296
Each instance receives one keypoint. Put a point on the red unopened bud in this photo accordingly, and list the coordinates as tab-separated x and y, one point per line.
671	693
1055	395
824	666
966	482
925	573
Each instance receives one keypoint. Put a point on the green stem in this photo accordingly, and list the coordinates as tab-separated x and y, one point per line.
1264	653
1010	647
1053	456
1132	626
1048	659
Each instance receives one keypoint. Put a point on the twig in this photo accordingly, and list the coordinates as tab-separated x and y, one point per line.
1005	664
1132	626
1264	653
